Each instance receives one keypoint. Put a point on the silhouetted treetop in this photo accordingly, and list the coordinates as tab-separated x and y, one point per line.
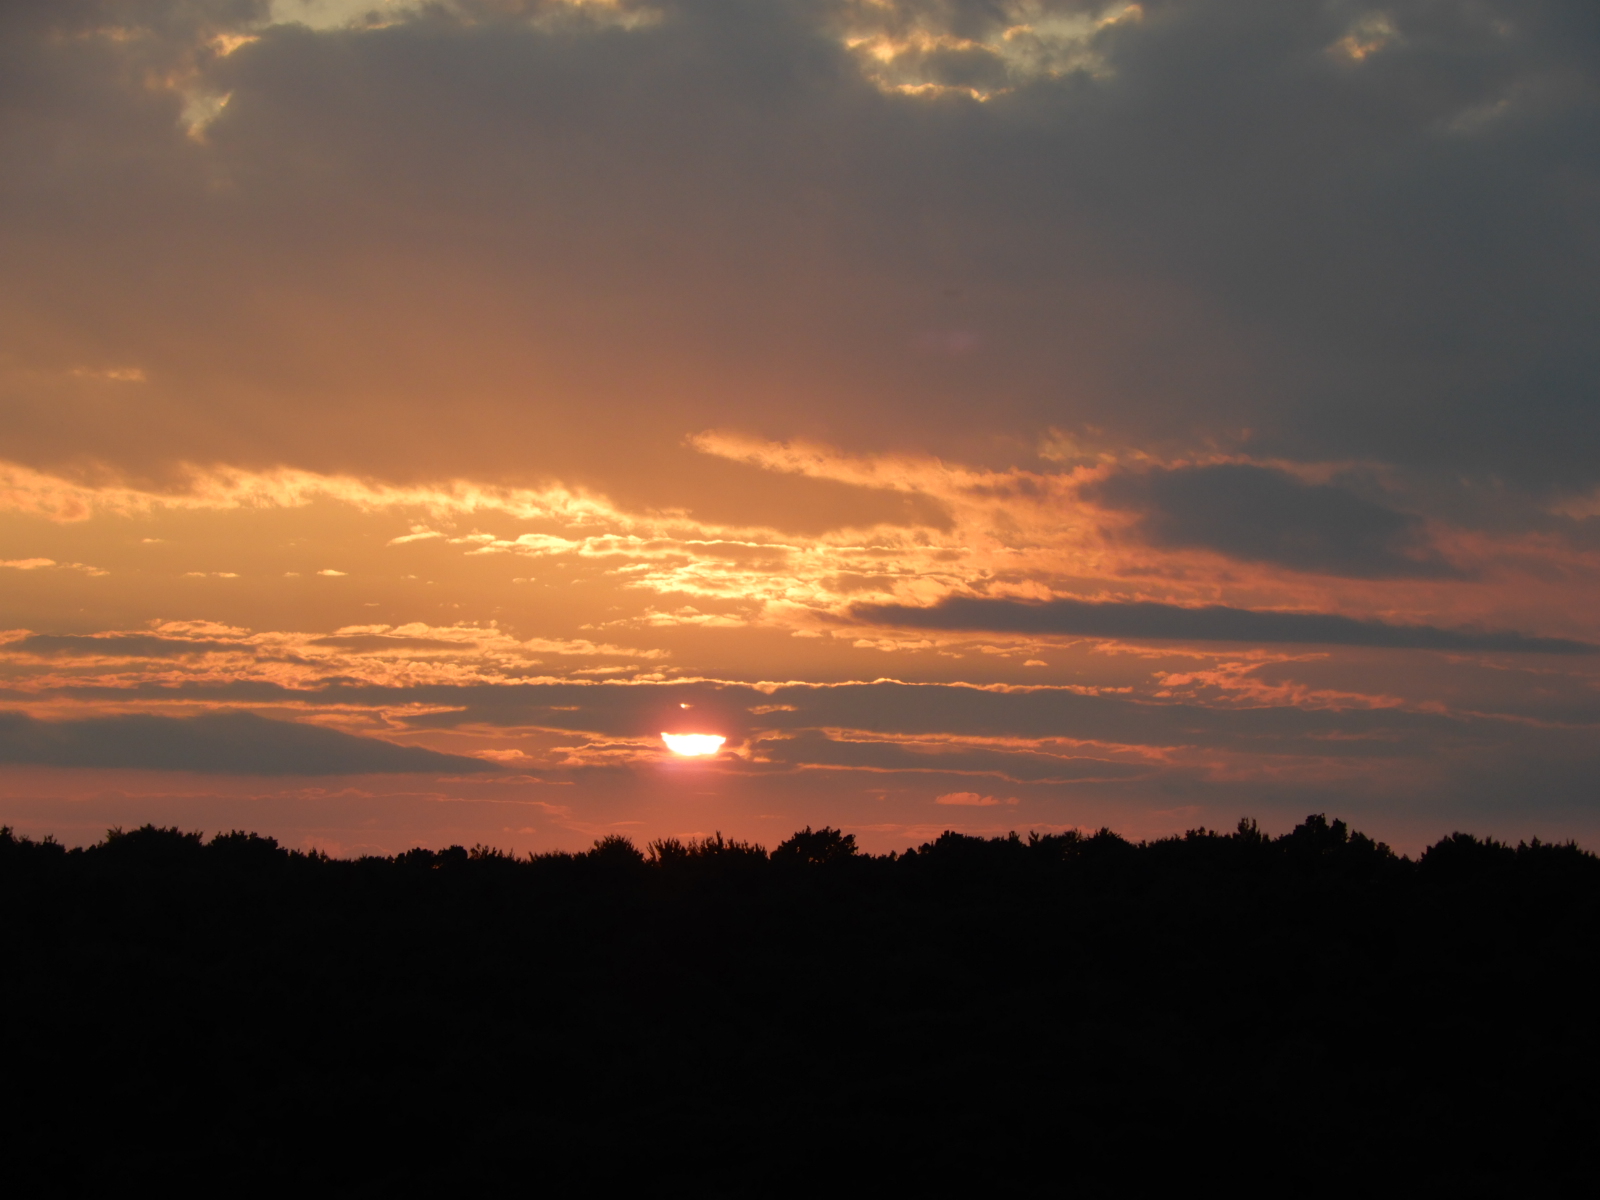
1315	845
816	847
675	850
615	850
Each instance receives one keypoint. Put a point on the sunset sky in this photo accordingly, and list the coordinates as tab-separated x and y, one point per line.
1022	414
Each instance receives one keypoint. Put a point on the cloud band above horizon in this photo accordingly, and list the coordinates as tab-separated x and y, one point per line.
221	742
1210	623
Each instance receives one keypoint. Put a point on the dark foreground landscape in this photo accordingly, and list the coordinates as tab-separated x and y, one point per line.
1305	1011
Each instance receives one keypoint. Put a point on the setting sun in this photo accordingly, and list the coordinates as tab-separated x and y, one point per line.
693	745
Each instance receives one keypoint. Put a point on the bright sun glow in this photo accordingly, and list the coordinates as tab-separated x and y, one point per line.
693	745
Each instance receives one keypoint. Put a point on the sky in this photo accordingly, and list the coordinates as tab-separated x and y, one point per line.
988	416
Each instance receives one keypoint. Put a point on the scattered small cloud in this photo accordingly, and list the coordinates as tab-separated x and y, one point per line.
1367	35
419	533
972	800
111	374
43	564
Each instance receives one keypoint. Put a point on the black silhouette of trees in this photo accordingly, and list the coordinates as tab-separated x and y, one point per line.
702	1015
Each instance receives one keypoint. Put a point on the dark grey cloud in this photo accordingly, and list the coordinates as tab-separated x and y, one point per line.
1052	712
119	645
1260	515
1212	623
231	743
593	239
373	643
813	748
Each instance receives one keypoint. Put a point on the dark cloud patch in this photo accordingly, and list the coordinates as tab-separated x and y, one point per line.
232	743
889	708
1212	623
121	645
1260	515
715	219
814	748
374	643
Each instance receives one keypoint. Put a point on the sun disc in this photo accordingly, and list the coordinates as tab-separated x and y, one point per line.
693	745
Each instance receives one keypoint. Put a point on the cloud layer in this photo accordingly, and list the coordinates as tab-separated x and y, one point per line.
234	743
1260	515
1213	623
1354	238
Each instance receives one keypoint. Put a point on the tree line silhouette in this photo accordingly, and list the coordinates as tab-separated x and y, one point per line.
1309	1009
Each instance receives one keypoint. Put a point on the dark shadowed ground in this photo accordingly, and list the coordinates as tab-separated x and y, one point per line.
1308	1013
